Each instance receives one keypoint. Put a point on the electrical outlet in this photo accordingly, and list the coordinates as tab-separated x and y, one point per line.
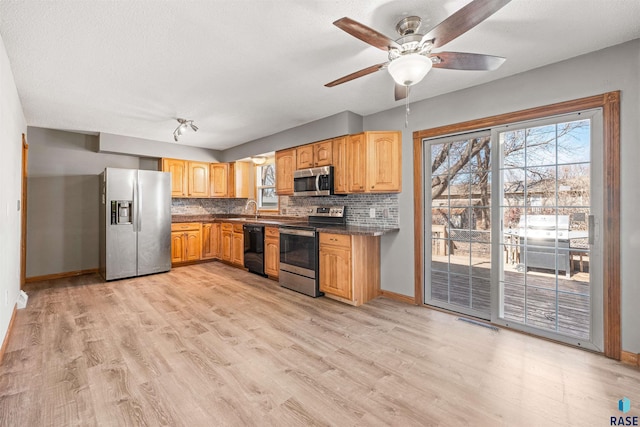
372	213
385	212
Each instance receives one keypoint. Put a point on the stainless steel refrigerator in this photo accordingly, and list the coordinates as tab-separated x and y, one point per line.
135	223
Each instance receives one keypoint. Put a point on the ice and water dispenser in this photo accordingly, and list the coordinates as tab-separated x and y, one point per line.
121	212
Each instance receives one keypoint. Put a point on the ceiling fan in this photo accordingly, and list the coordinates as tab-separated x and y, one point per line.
411	56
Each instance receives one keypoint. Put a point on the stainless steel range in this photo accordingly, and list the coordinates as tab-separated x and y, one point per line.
299	249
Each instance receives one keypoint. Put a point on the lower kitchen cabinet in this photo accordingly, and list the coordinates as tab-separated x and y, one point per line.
186	242
272	252
237	246
210	240
226	241
349	267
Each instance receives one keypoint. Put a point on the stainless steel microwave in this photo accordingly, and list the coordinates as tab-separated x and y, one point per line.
313	182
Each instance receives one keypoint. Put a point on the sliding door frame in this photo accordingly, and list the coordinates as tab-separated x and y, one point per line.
610	105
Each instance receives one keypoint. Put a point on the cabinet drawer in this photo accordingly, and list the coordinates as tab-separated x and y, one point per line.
271	232
342	240
184	226
226	226
237	228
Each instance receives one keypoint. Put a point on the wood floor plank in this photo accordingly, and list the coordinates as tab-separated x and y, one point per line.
210	344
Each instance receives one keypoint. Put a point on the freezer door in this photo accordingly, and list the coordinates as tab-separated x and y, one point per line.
120	237
153	221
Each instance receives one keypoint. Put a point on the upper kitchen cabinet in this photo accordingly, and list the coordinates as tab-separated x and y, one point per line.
314	155
219	176
339	154
198	179
285	166
304	157
374	162
179	176
384	162
188	179
356	163
230	180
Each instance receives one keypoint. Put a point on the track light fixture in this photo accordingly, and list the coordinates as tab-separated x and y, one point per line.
183	127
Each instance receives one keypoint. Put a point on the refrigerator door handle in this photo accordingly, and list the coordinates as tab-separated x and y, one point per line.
139	205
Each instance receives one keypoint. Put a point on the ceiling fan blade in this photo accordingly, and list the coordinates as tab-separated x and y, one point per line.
352	76
467	61
462	21
401	92
366	34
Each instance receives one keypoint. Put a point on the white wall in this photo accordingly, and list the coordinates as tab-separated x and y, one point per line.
12	126
615	68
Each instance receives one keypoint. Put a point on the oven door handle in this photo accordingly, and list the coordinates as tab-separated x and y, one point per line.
318	182
307	233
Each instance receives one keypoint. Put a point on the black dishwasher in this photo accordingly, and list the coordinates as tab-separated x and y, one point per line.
254	248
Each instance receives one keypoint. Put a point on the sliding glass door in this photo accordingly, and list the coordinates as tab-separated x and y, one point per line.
513	226
460	224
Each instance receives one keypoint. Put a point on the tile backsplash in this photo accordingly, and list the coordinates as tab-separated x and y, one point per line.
358	207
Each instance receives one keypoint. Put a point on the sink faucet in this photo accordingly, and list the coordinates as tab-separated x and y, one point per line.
255	207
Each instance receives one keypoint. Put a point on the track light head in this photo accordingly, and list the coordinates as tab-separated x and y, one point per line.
183	127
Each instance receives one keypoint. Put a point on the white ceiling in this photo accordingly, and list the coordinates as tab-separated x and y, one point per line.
247	69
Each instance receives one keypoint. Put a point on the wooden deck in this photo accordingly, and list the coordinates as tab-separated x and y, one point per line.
534	304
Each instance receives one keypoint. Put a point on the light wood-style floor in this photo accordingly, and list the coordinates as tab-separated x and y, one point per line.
209	345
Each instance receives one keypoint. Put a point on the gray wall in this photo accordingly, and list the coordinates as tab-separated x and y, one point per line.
119	144
12	126
339	124
615	68
62	234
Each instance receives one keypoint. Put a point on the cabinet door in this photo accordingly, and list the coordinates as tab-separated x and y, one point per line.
339	154
285	166
237	247
179	176
225	245
384	162
322	153
215	240
219	179
272	251
243	183
207	241
304	157
335	271
177	246
198	179
356	158
193	245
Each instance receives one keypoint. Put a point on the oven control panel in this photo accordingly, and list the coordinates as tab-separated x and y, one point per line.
328	211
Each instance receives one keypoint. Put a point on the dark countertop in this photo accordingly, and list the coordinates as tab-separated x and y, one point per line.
359	230
283	220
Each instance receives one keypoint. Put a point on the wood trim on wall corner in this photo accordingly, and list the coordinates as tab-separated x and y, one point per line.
398	297
610	104
5	342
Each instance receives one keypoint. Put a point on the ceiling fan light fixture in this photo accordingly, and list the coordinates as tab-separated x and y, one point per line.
409	69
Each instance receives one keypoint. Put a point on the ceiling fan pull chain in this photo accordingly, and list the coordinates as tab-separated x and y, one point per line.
407	111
